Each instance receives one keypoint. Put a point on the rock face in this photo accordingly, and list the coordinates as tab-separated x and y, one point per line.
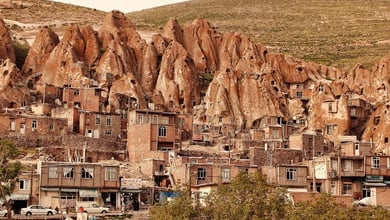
6	48
242	81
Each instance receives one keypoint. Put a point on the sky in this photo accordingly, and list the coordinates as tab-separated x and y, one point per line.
121	5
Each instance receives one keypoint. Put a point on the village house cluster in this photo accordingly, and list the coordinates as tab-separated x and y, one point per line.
167	149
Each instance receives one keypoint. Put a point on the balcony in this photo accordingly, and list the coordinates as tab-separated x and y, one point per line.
352	173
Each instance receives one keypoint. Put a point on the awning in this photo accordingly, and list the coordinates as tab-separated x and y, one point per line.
131	190
374	184
374	178
50	189
88	193
20	197
69	190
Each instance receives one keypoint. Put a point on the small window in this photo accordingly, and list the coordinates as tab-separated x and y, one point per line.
108	121
51	127
76	92
97	119
108	132
171	104
329	129
330	107
320	88
34	124
375	163
140	118
68	172
347	188
86	173
201	173
24	184
110	173
386	140
299	94
53	172
388	163
154	119
225	175
220	119
165	120
162	131
291	173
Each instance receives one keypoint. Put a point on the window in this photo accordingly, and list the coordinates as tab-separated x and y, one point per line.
108	121
86	173
124	114
220	119
165	120
299	94
154	119
76	92
34	124
329	129
68	172
388	163
140	118
291	173
108	132
24	184
97	119
348	165
225	175
53	172
347	188
51	127
12	125
320	88
330	107
170	104
375	161
353	112
201	173
162	131
110	173
275	134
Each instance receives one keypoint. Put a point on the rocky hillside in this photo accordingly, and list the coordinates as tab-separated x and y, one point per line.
243	80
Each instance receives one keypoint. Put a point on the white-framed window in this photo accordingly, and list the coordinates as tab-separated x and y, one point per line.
87	172
329	129
24	184
299	94
375	162
320	88
140	118
34	124
201	173
225	174
291	173
53	172
68	172
154	119
165	120
110	173
388	163
76	92
348	165
162	131
347	188
97	119
108	121
108	132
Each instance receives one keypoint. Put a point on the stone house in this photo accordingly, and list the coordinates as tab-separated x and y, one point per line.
309	142
100	125
27	124
64	184
299	91
377	170
90	99
291	176
26	191
151	134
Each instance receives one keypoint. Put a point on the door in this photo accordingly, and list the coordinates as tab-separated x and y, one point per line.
22	129
89	133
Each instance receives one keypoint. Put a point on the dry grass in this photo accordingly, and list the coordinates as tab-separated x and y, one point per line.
331	32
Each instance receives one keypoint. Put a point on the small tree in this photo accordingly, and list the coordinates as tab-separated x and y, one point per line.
9	171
